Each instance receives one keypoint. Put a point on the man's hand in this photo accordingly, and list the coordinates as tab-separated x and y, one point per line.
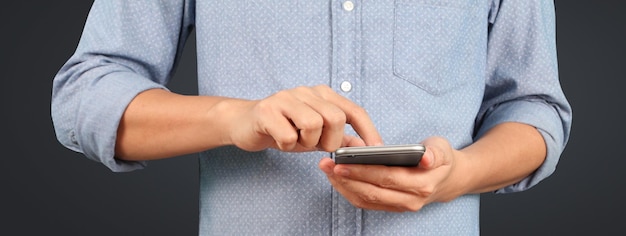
300	119
504	155
399	189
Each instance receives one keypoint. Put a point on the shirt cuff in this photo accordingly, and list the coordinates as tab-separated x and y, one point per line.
547	121
101	109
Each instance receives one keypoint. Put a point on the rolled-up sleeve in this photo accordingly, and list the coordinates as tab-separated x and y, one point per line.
523	81
126	47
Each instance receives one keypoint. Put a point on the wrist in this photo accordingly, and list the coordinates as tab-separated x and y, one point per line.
462	178
467	172
226	117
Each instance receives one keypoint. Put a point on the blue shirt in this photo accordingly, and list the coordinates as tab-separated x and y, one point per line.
452	68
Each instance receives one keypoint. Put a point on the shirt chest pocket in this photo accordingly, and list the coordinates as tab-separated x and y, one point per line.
430	43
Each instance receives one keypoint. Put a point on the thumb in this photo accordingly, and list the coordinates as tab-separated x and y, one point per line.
438	153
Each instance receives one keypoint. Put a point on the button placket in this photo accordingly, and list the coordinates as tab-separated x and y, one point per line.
347	59
345	79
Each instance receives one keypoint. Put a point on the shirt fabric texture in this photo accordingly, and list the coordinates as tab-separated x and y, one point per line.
451	68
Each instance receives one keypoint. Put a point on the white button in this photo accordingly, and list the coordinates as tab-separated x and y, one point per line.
346	86
348	5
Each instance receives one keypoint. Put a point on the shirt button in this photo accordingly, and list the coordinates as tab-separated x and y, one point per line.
348	5
346	86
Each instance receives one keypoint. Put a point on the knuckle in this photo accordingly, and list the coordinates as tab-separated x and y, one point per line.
426	192
369	197
287	140
422	190
343	181
312	122
336	118
388	182
323	90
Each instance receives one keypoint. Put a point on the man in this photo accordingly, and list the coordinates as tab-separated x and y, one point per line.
475	81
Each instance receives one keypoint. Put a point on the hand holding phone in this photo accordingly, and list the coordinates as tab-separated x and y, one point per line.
391	155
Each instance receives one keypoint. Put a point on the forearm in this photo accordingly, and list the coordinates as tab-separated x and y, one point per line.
159	124
506	154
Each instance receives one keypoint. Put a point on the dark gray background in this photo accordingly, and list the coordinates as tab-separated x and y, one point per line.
47	189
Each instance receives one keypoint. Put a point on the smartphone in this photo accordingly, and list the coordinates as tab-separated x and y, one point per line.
390	155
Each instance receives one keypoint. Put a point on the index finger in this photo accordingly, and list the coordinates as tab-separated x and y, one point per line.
356	116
